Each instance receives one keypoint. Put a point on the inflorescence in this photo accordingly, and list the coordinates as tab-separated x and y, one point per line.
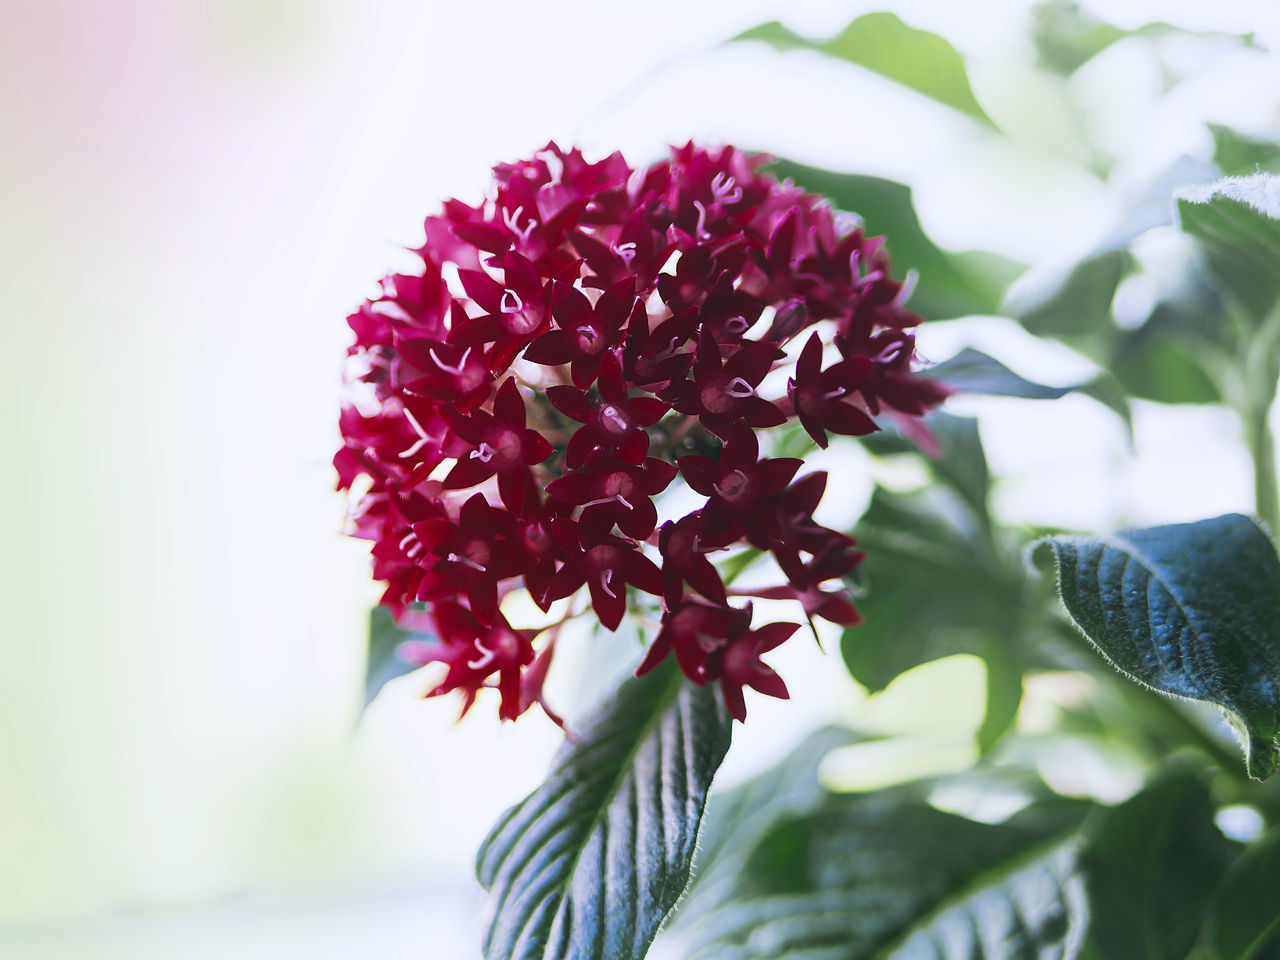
573	345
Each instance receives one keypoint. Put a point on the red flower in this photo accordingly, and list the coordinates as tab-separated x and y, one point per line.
571	345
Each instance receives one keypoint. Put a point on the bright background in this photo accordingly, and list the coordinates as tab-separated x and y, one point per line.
194	195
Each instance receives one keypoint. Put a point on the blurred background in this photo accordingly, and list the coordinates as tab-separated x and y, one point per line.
196	193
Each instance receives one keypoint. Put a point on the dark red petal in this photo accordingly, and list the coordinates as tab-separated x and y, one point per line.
646	411
658	474
536	447
741	448
511	488
508	405
567	579
580	444
703	577
610	604
752	361
838	608
773	475
551	349
572	487
765	680
848	420
482	591
761	413
773	634
569	307
733	699
634	445
570	401
809	363
483	289
657	653
640	520
701	473
467	472
643	574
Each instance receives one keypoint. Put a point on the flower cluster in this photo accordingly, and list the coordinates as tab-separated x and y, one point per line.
573	345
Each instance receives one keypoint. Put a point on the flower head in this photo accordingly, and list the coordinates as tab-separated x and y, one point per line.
572	347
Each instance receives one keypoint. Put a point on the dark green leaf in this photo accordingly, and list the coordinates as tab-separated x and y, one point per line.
1152	863
884	876
950	284
1237	155
1237	224
1189	609
383	665
1156	362
590	863
882	43
1244	921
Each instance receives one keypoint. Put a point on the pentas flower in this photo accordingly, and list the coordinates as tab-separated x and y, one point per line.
574	347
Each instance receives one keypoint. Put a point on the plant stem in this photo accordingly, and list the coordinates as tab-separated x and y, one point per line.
1266	491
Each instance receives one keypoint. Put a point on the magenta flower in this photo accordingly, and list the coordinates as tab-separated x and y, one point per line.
590	336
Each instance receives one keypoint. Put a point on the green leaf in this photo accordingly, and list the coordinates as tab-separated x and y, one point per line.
950	284
1238	155
971	371
735	821
883	44
882	875
1076	304
1004	693
1066	38
383	665
1237	224
1152	863
1156	361
1191	610
1244	920
591	862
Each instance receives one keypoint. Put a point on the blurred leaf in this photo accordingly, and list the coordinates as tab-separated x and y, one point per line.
1244	920
735	821
1237	224
1154	207
1004	694
1189	609
1076	304
1237	155
383	665
1067	38
591	862
1156	362
1152	863
883	44
881	875
950	284
971	371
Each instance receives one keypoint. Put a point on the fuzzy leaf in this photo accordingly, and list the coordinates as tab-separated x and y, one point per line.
1237	224
590	863
1237	155
1189	609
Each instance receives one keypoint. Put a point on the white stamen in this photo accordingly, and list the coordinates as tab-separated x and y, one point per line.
486	657
511	302
725	189
406	539
626	252
908	287
555	166
871	277
700	231
606	577
611	414
512	220
832	394
413	422
484	453
456	371
736	325
617	497
720	490
635	182
418	445
465	561
588	332
667	353
737	387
